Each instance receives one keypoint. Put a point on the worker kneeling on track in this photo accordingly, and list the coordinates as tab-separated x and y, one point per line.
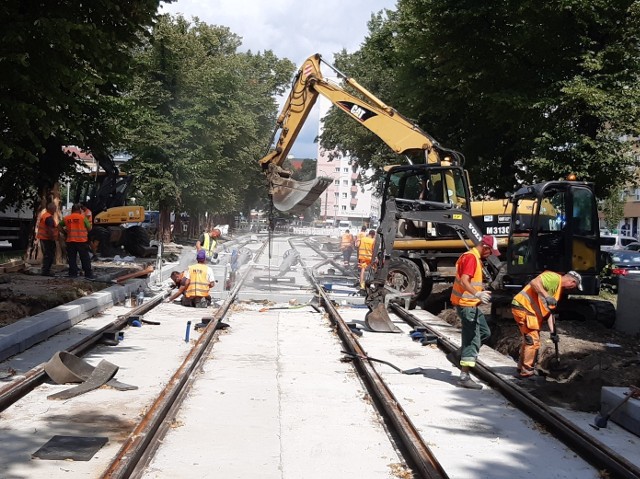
195	283
532	306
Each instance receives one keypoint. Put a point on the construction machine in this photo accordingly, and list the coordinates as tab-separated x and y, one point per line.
427	217
115	224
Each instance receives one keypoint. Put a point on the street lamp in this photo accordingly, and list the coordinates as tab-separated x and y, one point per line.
335	215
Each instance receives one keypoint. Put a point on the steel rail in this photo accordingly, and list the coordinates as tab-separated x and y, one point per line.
36	376
588	447
424	461
140	444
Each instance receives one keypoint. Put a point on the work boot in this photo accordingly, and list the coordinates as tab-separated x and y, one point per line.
467	382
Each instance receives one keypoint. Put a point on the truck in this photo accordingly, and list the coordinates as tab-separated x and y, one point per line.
15	226
427	211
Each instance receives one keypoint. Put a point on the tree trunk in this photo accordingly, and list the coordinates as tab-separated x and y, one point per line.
33	253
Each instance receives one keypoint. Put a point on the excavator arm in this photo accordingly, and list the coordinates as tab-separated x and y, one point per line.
399	133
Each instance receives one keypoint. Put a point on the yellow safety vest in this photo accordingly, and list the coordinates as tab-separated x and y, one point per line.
209	245
459	295
198	284
365	251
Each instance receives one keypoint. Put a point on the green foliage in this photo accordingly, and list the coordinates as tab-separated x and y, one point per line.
528	91
612	208
63	64
201	116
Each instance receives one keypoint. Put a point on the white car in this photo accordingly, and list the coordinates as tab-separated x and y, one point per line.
609	242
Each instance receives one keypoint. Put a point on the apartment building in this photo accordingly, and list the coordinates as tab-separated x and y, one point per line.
346	199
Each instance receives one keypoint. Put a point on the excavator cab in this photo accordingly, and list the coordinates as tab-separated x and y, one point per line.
554	227
426	187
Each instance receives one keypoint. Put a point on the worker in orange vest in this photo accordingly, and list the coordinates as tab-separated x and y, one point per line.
365	254
76	227
466	295
361	234
87	212
346	247
532	306
48	235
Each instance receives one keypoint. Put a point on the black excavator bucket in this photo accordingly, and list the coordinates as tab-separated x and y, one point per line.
296	196
378	320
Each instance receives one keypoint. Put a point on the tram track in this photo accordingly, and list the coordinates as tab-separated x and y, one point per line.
426	464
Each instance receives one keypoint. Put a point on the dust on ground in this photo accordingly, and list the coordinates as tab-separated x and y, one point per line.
590	356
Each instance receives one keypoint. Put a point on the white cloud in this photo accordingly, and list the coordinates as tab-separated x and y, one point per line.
291	29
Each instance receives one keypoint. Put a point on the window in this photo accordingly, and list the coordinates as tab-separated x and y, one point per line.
336	194
337	169
345	170
344	207
353	208
344	195
337	182
345	182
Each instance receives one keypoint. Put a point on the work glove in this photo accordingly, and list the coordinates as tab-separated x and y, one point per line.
555	339
484	296
551	301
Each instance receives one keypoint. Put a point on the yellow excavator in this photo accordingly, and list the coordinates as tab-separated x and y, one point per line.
116	225
427	216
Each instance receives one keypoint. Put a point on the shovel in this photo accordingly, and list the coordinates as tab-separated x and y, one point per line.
601	421
402	371
555	361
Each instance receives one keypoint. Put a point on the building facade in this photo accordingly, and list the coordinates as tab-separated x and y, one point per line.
346	199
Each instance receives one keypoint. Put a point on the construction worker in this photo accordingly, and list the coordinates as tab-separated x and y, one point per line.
180	282
48	235
208	243
365	254
467	294
76	227
361	234
198	280
532	306
346	247
87	212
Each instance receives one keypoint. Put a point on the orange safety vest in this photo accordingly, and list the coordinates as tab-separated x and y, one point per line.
43	231
365	251
459	295
361	235
530	300
347	241
75	228
198	284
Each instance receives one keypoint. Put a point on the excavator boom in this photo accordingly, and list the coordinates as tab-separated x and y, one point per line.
399	133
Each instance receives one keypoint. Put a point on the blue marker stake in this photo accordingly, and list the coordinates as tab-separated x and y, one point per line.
186	336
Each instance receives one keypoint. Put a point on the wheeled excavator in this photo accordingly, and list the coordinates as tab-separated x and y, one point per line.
427	217
115	224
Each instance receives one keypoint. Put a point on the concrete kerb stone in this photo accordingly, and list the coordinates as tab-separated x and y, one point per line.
17	337
20	336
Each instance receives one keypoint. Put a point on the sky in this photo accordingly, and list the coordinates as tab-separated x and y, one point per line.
291	29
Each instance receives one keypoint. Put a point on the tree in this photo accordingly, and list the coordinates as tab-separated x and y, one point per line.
526	90
202	114
63	66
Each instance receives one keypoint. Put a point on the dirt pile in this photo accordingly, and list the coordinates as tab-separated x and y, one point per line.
590	356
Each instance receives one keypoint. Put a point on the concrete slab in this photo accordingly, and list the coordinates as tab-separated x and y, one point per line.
289	408
626	414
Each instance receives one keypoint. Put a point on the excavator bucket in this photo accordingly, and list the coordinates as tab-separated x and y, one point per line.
378	320
296	196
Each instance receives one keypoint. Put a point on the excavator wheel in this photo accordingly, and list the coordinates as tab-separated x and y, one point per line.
136	241
100	240
404	276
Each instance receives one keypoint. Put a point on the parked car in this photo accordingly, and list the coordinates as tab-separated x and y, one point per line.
620	263
615	242
635	246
